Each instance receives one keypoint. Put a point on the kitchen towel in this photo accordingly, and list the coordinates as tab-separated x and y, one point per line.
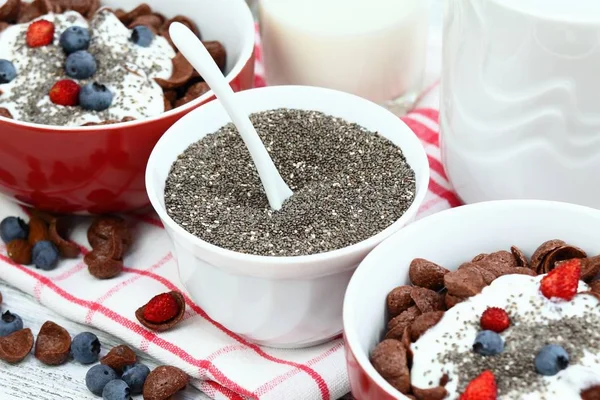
225	365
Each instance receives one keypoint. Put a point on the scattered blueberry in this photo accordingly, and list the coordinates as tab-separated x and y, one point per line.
98	376
80	65
10	323
551	360
45	255
95	96
135	375
12	228
75	38
7	71
85	348
142	36
116	390
488	343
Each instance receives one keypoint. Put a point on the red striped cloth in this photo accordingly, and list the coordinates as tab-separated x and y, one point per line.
226	366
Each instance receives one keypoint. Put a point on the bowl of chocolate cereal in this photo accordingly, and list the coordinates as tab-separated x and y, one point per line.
497	299
357	173
88	87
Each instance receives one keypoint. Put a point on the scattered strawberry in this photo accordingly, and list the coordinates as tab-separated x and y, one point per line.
495	319
562	281
65	93
40	33
481	388
161	308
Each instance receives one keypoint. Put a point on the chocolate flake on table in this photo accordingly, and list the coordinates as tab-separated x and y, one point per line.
166	325
110	239
53	344
16	346
19	251
57	232
119	357
163	382
592	393
349	184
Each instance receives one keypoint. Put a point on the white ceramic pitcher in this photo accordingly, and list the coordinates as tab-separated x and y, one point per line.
520	110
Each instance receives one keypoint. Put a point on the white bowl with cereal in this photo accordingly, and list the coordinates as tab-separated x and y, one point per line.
279	284
448	306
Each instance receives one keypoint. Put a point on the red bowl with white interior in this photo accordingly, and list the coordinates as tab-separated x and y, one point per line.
100	169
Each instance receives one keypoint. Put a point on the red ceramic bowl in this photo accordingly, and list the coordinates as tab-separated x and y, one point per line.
100	169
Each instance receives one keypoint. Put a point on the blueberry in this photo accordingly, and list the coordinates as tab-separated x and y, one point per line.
142	36
45	255
12	228
85	348
7	71
98	376
80	65
135	375
95	96
75	38
551	360
116	390
488	343
10	323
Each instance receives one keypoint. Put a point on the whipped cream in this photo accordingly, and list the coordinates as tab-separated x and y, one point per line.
128	70
447	347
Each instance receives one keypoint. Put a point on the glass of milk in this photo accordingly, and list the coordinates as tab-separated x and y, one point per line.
375	49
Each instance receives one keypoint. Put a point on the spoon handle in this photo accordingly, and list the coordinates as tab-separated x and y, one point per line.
194	51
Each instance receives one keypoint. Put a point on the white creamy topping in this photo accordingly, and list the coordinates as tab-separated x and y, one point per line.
127	69
521	293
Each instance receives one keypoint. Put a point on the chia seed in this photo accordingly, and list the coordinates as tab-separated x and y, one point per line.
514	368
45	66
348	183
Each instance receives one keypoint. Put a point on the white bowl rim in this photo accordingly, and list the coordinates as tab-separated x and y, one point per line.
352	290
247	50
293	261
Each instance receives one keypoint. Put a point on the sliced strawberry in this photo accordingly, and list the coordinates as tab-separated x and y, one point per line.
161	308
562	281
65	93
481	388
495	319
40	33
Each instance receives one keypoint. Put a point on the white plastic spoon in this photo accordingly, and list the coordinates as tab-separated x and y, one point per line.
195	52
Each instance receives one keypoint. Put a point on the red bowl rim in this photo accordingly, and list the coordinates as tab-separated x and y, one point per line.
246	55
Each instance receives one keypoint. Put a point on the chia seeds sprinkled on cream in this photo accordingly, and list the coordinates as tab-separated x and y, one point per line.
128	70
348	184
514	368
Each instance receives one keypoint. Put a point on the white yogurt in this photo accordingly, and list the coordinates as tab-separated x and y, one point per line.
131	80
505	290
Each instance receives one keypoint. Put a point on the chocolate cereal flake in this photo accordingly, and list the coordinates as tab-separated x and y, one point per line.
163	326
119	357
16	346
53	344
163	382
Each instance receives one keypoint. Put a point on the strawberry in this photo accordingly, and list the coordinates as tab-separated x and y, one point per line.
562	281
161	308
481	388
65	93
495	319
40	33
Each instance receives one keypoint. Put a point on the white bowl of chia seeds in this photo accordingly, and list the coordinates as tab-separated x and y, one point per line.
278	278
